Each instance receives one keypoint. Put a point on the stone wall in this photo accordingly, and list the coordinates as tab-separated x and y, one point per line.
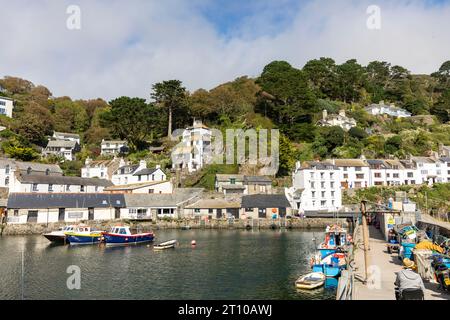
308	223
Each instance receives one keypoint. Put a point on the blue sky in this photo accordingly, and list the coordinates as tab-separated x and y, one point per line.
123	47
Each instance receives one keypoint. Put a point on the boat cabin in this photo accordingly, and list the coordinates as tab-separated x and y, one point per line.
120	230
68	228
335	236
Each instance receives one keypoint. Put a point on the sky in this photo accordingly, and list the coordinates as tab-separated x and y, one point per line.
124	46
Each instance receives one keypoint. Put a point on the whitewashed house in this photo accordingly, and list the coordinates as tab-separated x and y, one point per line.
137	173
63	148
445	169
193	151
102	169
316	186
340	120
113	147
444	151
390	110
429	169
149	187
6	106
354	172
10	169
71	208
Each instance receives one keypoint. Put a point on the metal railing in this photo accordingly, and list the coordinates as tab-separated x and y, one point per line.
347	278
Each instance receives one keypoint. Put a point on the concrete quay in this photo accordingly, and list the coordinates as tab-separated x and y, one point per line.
382	271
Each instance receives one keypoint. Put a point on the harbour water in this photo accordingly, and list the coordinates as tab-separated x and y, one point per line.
225	264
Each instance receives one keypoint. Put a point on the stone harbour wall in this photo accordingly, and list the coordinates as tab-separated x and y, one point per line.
307	223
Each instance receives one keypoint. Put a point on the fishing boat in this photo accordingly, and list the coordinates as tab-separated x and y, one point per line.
310	281
59	235
330	266
166	245
122	236
336	239
84	235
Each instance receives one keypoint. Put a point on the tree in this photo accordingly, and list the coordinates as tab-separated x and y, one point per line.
131	119
34	123
393	145
170	95
442	108
322	74
443	74
287	156
16	149
16	85
357	133
350	80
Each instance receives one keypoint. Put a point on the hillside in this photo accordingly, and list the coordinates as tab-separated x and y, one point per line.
284	97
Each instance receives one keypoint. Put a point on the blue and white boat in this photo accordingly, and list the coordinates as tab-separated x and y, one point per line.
122	236
335	238
330	266
84	235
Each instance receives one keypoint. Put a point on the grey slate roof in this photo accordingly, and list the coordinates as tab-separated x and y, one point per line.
35	166
320	165
67	134
64	200
257	179
265	201
126	169
44	179
145	172
61	144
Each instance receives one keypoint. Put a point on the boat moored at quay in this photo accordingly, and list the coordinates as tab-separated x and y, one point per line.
122	235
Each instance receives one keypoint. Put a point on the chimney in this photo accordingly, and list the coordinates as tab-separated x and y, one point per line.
142	164
158	166
197	123
342	113
324	114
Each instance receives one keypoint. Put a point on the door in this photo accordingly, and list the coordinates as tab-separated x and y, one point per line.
233	212
32	216
91	214
219	213
282	212
61	214
116	213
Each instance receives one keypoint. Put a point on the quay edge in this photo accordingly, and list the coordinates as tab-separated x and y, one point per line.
263	224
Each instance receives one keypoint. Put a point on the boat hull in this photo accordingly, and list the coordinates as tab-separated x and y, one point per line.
115	239
310	281
61	239
326	252
327	270
79	239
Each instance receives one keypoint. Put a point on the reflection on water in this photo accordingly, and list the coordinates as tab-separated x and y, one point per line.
226	264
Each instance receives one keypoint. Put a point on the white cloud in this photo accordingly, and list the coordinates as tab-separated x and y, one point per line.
125	46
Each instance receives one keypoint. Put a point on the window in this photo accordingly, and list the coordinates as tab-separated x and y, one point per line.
81	188
312	185
322	175
261	212
332	194
311	175
50	187
153	177
47	172
2	103
197	210
396	175
357	184
360	176
322	184
6	181
35	187
332	184
210	211
16	212
323	203
331	175
345	168
232	181
7	169
151	190
377	175
323	194
248	209
29	170
139	177
358	169
378	183
424	172
68	188
313	194
410	174
345	175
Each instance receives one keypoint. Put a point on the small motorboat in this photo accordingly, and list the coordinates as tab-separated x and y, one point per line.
186	227
84	235
166	245
310	281
122	235
59	236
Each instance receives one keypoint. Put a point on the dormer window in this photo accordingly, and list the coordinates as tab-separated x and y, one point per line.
29	170
7	169
47	172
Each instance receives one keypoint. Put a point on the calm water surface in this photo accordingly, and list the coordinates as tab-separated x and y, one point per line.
226	264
